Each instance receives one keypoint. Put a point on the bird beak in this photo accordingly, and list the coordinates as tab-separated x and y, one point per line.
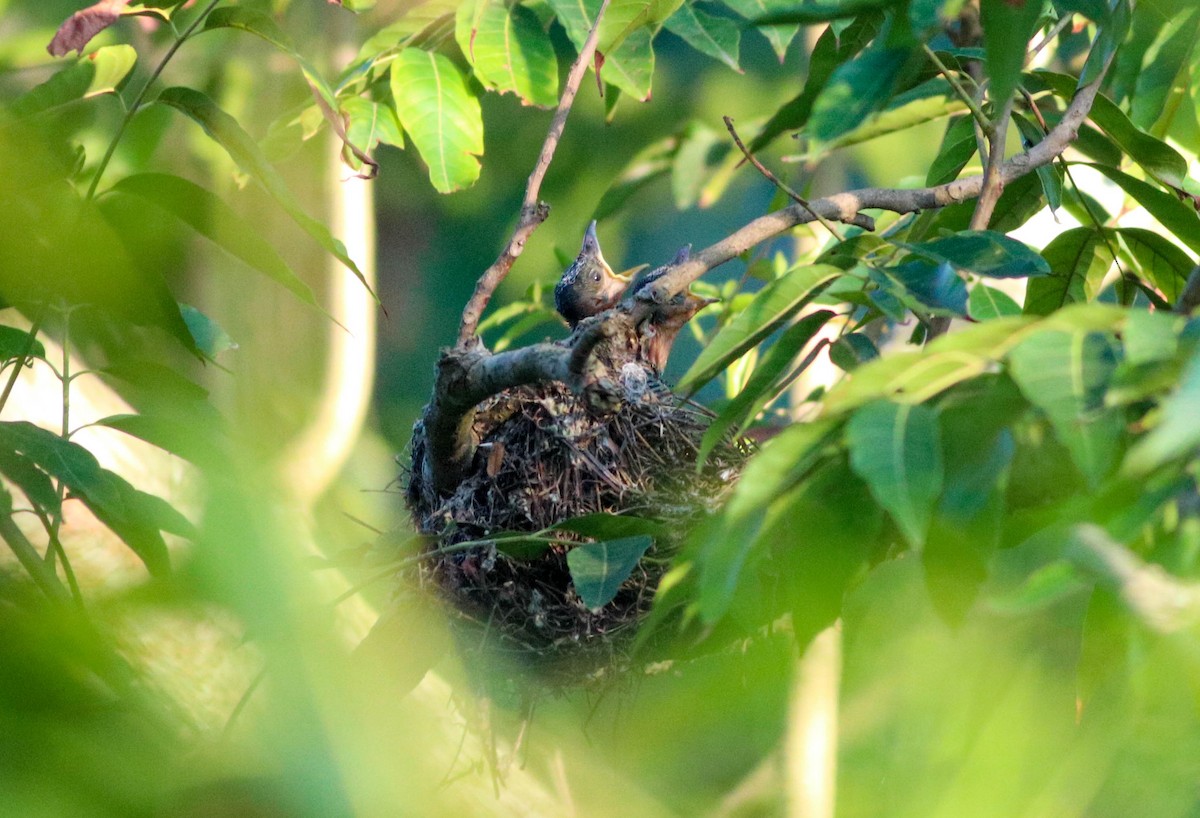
614	285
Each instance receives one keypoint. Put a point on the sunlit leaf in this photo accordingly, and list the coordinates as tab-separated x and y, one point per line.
599	569
771	307
440	115
101	72
509	51
985	303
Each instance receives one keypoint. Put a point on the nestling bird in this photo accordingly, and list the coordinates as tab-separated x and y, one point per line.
659	333
589	286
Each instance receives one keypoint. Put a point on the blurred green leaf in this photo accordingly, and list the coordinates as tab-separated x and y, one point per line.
371	123
192	442
764	382
771	307
857	88
830	51
823	11
210	338
602	526
936	285
1151	336
1165	59
779	36
699	155
440	115
718	37
211	217
985	303
101	72
927	102
852	350
1066	375
650	163
598	569
1177	433
896	449
227	133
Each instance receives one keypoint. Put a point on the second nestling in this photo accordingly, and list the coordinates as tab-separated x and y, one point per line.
589	287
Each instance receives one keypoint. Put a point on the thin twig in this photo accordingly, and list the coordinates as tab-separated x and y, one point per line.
968	99
993	182
533	212
41	573
775	180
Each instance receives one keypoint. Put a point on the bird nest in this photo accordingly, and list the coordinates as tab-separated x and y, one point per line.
545	455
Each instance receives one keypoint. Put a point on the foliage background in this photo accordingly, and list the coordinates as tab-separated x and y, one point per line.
983	676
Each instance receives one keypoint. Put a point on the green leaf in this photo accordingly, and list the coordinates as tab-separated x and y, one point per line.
134	516
856	89
718	37
1150	337
1066	375
101	72
1158	259
599	569
15	342
192	442
830	51
927	102
1021	199
1049	175
1171	213
1079	258
779	36
699	155
771	307
985	253
603	526
211	217
1165	60
958	146
896	449
764	382
1177	433
823	11
510	52
650	163
627	58
210	338
852	350
1007	29
227	133
1156	157
370	123
31	480
987	303
440	115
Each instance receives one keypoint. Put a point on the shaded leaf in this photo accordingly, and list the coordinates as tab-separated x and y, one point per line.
856	89
650	163
1158	259
1048	175
823	11
225	130
1177	433
603	526
718	37
599	569
936	286
771	307
985	253
31	480
896	449
1170	212
1007	29
852	350
958	146
779	36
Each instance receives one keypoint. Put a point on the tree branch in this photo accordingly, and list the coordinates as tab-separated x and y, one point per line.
468	374
1161	601
533	212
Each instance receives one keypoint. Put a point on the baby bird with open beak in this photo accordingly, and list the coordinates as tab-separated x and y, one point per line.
589	286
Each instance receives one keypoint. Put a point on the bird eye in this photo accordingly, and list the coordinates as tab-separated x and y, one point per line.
595	276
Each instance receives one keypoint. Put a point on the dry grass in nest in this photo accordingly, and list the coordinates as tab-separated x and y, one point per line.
545	456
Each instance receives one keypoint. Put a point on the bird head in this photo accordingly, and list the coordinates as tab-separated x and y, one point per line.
589	286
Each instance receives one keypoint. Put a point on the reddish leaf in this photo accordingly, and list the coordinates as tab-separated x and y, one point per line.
83	25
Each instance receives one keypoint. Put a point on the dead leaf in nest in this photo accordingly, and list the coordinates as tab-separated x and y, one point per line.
495	459
83	25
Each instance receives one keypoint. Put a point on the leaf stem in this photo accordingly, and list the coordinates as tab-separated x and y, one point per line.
136	105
